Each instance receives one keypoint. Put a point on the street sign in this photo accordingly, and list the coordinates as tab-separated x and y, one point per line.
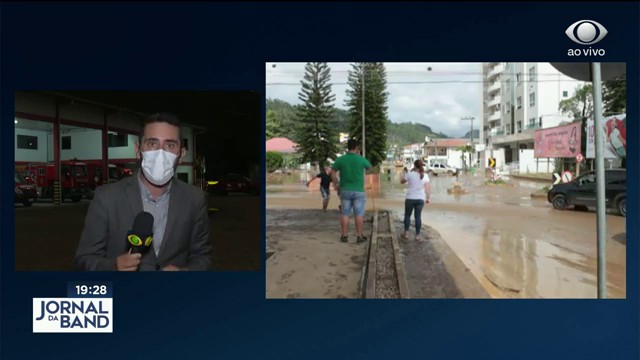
492	162
557	181
567	176
579	158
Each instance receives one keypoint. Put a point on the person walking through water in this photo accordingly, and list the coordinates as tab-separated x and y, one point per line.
350	189
325	180
418	194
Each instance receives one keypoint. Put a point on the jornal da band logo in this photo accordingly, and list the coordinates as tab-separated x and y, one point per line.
72	315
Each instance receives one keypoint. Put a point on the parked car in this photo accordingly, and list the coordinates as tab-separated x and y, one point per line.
25	193
581	192
233	183
439	169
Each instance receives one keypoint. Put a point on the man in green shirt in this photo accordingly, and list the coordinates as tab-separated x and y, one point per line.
352	169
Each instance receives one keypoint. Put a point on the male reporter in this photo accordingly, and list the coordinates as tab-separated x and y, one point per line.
180	219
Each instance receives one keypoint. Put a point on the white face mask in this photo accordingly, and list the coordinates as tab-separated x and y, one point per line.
158	166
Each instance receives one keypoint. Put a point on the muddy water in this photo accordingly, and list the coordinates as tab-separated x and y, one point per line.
517	247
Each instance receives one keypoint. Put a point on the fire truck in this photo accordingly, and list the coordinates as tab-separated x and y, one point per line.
96	177
74	181
78	178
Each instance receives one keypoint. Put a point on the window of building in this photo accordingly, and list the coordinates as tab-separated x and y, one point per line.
508	129
27	142
519	78
540	122
66	143
532	73
565	94
507	85
532	99
519	102
508	109
118	140
519	126
532	122
183	176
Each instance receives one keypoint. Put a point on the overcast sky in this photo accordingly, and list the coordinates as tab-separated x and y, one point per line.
437	98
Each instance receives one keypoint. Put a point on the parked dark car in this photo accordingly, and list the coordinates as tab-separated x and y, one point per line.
581	192
25	193
233	183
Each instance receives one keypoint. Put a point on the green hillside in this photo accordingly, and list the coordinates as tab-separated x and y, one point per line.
397	133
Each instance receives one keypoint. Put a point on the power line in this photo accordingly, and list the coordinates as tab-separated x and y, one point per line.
417	82
425	73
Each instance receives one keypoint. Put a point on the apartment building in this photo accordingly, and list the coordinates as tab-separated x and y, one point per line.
519	98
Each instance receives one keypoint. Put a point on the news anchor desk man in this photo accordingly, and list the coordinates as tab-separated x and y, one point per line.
181	222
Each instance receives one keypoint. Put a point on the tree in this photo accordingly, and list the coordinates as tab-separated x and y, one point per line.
316	134
274	161
580	105
614	96
272	126
375	101
465	149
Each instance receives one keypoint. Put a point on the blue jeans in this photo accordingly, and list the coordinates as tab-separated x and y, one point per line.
410	206
353	201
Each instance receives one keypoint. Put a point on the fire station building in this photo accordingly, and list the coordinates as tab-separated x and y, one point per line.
68	146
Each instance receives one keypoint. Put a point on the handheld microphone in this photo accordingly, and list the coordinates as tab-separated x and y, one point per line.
140	237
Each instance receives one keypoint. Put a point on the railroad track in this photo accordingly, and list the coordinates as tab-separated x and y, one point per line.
383	275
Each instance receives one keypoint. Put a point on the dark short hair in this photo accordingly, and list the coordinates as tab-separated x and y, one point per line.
161	117
352	144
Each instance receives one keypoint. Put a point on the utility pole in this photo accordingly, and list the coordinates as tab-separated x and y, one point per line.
596	80
470	118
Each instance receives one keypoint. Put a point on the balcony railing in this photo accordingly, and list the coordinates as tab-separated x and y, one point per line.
495	101
495	86
495	71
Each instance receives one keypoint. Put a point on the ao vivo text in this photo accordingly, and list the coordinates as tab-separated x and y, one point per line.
586	52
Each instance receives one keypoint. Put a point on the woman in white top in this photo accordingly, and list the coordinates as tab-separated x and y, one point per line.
418	195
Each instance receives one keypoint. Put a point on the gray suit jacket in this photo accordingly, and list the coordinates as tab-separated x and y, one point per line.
110	216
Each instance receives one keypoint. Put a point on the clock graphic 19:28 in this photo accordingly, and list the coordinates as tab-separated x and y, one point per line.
89	289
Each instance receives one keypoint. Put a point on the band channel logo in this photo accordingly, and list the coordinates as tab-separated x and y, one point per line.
72	315
586	32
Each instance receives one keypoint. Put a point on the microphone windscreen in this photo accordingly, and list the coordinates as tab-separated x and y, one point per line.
143	224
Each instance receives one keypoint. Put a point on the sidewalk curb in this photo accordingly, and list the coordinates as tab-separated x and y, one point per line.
367	286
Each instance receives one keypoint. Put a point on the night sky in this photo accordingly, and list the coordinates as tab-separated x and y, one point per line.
233	141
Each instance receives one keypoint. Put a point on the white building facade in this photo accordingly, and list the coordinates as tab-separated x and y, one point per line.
519	98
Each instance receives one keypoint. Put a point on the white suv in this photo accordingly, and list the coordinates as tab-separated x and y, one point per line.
439	169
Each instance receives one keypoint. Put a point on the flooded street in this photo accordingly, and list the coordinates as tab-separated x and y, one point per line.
516	246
